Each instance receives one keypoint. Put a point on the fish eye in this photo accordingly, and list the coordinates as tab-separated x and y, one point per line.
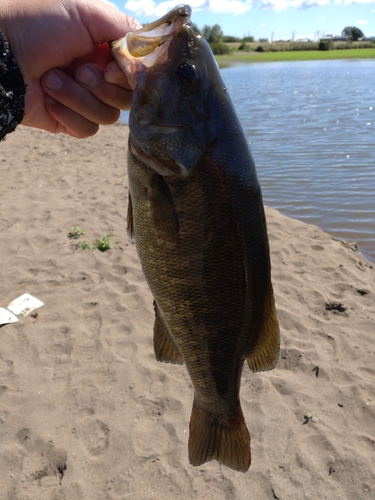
188	72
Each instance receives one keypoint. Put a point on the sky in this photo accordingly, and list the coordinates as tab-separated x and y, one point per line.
272	19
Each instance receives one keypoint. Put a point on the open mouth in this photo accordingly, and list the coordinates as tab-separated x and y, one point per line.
149	45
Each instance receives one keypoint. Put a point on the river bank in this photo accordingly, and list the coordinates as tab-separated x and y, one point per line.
298	55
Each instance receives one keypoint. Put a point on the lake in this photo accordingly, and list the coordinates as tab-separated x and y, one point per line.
311	126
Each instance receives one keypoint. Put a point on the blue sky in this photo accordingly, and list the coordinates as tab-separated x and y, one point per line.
280	19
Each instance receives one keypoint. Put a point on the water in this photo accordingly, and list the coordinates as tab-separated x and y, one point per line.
311	126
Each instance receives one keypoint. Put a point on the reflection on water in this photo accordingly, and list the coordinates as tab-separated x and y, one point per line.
311	126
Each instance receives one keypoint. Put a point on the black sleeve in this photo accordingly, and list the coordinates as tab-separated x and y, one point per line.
12	90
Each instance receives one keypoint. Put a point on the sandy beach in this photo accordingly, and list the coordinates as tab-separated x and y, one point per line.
86	412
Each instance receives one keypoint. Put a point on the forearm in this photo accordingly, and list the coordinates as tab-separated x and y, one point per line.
12	90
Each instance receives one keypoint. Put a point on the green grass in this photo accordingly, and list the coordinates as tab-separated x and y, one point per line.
102	245
300	55
75	233
84	245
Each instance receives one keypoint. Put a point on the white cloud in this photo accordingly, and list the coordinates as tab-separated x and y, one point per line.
297	4
154	9
151	8
354	2
361	22
234	7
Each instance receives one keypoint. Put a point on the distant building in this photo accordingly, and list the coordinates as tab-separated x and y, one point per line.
335	38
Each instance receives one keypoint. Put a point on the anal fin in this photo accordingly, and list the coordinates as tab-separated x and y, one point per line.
225	440
265	354
164	346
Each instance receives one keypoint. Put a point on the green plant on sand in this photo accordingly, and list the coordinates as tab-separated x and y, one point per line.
104	244
75	233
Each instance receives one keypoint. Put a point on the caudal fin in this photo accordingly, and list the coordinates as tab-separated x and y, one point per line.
225	440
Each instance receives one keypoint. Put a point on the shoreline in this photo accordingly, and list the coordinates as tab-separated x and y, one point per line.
361	245
302	55
86	411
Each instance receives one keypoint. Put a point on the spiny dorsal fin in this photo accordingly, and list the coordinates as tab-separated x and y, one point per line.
164	346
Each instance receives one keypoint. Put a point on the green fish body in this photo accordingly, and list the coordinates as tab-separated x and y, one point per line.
196	216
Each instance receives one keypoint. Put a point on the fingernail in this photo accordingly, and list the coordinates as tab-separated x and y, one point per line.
87	77
53	81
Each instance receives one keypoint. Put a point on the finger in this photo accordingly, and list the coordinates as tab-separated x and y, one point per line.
67	91
92	77
104	21
68	121
100	56
114	74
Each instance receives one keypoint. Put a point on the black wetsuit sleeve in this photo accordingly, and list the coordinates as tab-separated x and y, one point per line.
12	90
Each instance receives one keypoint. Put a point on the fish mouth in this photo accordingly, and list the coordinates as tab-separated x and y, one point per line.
163	140
148	45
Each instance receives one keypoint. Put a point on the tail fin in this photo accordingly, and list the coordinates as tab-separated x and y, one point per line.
225	440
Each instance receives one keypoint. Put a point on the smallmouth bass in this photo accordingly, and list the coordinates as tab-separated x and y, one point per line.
196	215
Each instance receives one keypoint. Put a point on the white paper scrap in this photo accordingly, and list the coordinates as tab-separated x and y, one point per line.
24	305
7	316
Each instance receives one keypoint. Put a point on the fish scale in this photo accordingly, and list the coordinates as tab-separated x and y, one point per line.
196	216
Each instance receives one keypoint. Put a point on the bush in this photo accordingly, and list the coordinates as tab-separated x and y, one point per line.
325	45
263	48
231	39
304	46
245	47
353	45
219	48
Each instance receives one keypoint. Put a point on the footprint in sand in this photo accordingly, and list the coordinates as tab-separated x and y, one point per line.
41	458
95	436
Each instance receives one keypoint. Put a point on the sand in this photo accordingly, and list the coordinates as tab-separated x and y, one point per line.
86	413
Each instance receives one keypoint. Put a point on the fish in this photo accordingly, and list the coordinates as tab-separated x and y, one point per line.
196	215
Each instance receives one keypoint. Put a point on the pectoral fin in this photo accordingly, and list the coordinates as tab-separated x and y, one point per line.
164	346
162	207
266	352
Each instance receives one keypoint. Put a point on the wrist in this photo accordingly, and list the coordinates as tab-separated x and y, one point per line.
5	15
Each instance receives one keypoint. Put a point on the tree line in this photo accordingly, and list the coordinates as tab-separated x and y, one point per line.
218	41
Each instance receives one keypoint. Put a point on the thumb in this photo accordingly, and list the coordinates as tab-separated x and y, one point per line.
105	22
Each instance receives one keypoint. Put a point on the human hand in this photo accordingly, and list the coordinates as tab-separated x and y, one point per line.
73	84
